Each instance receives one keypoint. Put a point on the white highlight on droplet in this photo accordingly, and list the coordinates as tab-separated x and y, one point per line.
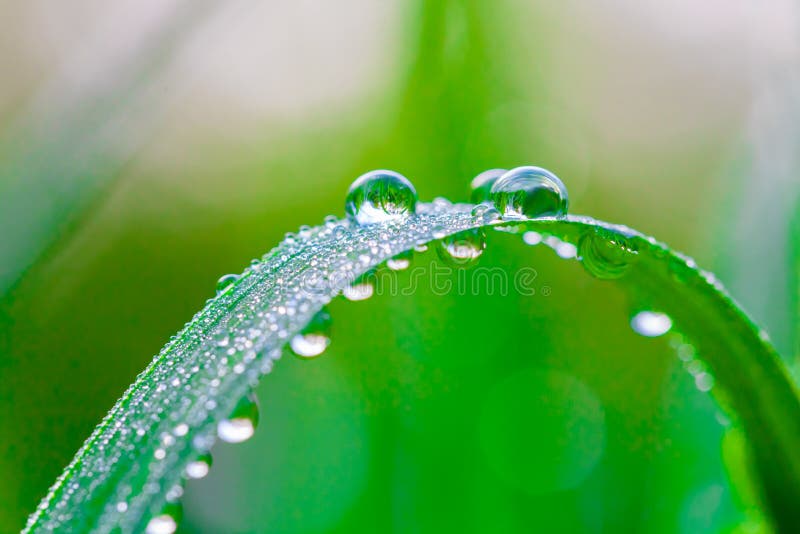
532	238
161	524
651	324
197	469
235	430
357	292
309	345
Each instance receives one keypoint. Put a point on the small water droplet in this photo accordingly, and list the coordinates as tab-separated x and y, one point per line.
481	185
167	521
380	196
651	324
463	249
200	467
532	238
566	250
704	381
226	282
420	247
438	232
530	192
400	262
362	289
606	255
161	524
314	338
241	425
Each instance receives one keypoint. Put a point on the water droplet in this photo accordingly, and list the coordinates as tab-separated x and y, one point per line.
400	262
314	338
167	521
463	248
532	238
481	186
530	192
200	467
360	290
651	324
161	524
241	425
606	255
226	282
566	250
704	381
380	196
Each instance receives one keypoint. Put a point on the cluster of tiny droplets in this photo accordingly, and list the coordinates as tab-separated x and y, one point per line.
199	377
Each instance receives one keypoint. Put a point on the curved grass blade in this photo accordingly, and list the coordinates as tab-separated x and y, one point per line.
120	478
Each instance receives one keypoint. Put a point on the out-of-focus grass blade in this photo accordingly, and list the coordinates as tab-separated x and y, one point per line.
77	133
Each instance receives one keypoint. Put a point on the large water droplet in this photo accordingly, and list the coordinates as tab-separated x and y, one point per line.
606	255
314	338
380	196
200	467
463	248
530	192
241	425
651	324
481	185
225	282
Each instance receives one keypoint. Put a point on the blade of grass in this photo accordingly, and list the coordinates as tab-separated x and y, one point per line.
121	475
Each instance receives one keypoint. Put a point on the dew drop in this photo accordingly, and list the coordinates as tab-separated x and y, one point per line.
530	192
481	185
380	196
314	338
358	291
200	467
241	425
651	324
532	238
226	282
400	262
167	521
162	524
462	249
704	381
606	255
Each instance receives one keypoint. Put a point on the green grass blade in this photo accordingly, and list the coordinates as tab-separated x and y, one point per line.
121	475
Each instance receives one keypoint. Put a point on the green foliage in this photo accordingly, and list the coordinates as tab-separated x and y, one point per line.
137	454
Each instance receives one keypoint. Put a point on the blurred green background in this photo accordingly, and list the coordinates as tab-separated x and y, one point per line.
148	147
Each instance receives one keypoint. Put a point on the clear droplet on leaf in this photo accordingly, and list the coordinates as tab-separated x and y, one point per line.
200	467
380	196
481	185
463	248
651	323
241	425
530	192
226	282
361	289
167	521
161	524
605	254
314	338
400	262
